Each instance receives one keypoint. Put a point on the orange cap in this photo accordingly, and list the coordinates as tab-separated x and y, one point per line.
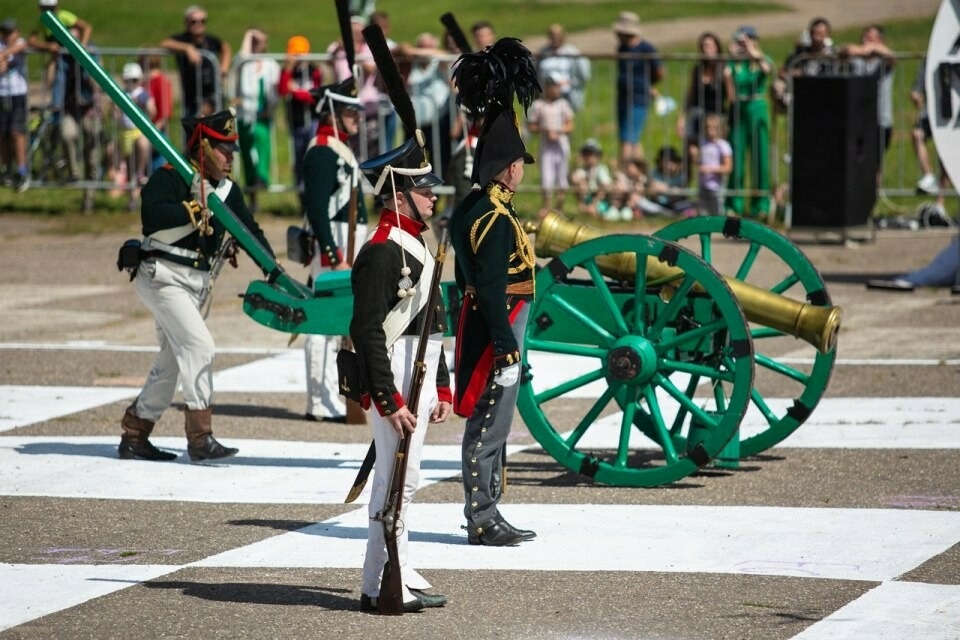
298	45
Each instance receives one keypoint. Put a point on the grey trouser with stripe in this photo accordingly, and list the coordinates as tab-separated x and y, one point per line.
485	441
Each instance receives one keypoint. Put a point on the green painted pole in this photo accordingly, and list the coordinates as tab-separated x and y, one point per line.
259	253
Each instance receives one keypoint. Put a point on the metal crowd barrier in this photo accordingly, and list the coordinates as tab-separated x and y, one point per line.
596	119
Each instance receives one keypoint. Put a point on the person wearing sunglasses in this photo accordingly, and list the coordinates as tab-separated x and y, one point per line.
200	79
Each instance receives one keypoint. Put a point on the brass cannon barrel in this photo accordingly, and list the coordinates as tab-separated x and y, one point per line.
814	324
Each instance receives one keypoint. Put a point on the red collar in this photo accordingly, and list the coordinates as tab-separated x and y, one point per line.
328	131
389	218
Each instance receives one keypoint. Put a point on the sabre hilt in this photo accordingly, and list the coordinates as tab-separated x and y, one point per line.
228	251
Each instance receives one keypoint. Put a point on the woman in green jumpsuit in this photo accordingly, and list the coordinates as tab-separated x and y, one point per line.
750	122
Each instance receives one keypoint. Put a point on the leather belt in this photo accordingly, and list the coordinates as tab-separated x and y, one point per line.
523	288
149	244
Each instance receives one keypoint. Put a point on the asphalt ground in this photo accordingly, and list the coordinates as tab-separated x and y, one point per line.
66	312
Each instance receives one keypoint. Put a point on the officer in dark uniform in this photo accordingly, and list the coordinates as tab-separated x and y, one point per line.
392	280
180	239
495	264
331	187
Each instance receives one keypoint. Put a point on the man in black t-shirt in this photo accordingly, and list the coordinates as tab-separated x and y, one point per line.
200	78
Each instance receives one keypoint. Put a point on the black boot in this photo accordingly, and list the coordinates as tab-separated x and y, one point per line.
492	534
201	445
210	450
525	534
135	443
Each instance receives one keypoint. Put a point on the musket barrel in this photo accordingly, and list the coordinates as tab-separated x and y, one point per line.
816	325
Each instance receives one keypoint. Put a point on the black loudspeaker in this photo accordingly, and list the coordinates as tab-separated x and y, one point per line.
836	150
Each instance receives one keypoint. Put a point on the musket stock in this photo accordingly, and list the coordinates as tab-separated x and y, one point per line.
816	325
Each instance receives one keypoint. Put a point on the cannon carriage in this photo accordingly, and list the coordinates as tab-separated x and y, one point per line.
688	367
670	369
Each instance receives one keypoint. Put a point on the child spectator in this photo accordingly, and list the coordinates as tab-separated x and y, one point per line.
667	184
716	162
628	200
161	90
552	117
134	146
13	104
297	77
591	181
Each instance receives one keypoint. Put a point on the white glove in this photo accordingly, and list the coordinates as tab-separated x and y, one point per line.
508	376
196	191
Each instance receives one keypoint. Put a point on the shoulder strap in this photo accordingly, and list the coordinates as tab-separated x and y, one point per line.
400	317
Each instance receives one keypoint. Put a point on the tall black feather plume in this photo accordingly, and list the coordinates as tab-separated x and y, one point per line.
489	80
390	74
453	28
346	31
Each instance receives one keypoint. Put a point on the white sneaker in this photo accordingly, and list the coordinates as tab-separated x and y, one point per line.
626	214
928	184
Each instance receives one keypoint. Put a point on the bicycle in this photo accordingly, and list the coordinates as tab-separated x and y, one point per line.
45	154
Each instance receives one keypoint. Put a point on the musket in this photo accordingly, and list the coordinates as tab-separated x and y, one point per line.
227	252
390	601
355	413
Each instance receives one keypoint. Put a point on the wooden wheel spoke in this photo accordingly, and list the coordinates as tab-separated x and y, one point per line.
778	367
656	415
570	385
609	303
591	416
748	261
673	307
565	348
584	320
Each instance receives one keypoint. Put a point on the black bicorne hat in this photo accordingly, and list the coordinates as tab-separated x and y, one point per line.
488	82
498	146
407	165
219	128
337	95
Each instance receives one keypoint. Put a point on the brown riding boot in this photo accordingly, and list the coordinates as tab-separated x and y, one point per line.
134	442
201	445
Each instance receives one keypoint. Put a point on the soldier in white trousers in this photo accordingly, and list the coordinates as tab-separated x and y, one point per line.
331	189
392	279
180	240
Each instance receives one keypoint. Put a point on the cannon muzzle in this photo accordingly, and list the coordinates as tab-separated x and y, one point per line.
814	324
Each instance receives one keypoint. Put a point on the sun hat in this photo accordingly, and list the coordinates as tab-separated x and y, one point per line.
627	23
132	71
591	146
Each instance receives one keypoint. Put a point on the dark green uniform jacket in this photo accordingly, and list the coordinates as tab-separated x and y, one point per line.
328	177
163	207
495	272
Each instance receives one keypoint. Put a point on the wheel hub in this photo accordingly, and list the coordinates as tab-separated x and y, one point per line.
632	359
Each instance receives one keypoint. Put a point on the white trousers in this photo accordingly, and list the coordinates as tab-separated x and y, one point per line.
402	356
323	392
172	294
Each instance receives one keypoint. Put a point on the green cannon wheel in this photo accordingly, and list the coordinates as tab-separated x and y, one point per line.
611	367
792	375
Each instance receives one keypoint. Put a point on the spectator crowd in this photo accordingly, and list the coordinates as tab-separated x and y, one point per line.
721	165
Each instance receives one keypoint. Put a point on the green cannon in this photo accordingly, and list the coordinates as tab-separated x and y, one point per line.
691	368
680	360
